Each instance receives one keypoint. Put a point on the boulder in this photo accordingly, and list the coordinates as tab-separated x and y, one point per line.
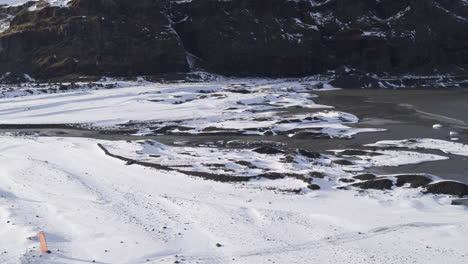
317	174
378	184
357	152
365	177
448	187
414	181
268	150
309	154
460	202
346	180
313	187
343	162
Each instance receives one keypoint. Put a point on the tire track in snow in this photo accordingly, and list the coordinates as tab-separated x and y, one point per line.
320	243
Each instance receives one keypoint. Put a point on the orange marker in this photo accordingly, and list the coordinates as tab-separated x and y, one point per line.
43	243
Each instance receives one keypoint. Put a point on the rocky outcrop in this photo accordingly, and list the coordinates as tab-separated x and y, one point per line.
365	176
425	182
92	37
285	37
377	184
370	181
413	181
237	37
448	187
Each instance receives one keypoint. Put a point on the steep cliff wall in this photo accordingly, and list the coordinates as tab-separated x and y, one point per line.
237	37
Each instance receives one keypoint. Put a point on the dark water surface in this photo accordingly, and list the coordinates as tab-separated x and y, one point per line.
409	114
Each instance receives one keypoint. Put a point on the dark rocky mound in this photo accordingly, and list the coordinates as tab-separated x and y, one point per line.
317	174
378	184
313	187
448	187
460	202
343	162
411	181
309	154
346	180
268	150
238	37
370	181
414	181
365	176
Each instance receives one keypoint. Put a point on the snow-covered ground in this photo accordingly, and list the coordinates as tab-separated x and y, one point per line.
96	208
426	143
20	2
248	106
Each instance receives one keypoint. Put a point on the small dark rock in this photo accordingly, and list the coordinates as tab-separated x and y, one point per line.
268	150
378	184
365	177
246	164
240	91
218	245
345	180
272	175
317	174
288	121
313	187
288	159
343	188
309	154
343	162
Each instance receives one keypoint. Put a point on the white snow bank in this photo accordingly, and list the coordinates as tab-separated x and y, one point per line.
60	3
224	161
393	158
94	207
252	105
425	143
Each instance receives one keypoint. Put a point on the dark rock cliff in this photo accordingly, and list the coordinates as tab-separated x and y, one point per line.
281	37
237	37
92	37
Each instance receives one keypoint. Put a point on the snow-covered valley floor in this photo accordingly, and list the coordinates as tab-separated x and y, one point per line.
98	208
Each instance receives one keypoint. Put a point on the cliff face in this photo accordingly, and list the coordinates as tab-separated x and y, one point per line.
281	37
239	37
93	37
